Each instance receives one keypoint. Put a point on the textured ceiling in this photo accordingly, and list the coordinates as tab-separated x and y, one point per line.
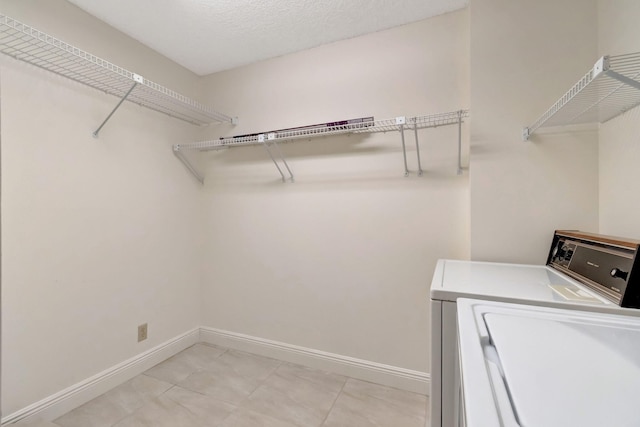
206	36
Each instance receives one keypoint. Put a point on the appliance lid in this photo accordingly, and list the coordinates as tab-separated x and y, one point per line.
508	282
549	367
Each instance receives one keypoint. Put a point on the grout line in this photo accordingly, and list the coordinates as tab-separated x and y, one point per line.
225	349
324	420
222	421
173	385
144	405
238	406
167	390
263	381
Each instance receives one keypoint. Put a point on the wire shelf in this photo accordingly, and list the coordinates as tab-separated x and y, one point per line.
269	140
387	125
606	91
30	45
419	122
442	119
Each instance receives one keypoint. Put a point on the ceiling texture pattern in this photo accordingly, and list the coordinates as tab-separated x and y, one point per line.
207	36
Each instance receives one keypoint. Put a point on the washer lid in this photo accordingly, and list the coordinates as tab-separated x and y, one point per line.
551	367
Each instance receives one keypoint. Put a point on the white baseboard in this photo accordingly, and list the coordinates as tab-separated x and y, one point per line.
392	376
70	398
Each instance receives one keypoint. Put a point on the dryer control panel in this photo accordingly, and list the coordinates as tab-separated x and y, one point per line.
604	263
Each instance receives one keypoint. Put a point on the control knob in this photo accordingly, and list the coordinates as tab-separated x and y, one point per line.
616	272
559	251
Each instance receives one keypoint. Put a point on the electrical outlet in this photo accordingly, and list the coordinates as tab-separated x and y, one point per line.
142	332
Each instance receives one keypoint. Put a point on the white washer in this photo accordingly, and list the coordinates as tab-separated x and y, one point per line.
539	366
524	284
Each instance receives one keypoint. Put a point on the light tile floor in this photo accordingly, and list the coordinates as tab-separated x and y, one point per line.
212	386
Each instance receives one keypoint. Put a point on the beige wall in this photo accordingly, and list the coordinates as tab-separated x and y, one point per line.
524	56
102	235
98	235
619	138
341	260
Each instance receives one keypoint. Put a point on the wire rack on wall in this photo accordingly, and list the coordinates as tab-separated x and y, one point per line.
609	89
35	47
270	139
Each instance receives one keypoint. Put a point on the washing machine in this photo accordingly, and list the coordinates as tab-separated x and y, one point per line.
584	271
540	366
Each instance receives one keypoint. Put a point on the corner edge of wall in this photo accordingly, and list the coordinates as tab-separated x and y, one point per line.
392	376
70	398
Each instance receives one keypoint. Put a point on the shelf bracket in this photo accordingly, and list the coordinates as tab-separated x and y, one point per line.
180	155
624	79
401	121
270	140
460	142
137	79
415	130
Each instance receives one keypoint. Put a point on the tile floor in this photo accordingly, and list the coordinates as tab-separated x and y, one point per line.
212	386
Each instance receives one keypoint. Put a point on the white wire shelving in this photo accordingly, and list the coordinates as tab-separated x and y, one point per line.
270	140
35	47
609	89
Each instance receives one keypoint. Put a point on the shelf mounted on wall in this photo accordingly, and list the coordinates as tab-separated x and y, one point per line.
609	89
270	140
400	124
35	47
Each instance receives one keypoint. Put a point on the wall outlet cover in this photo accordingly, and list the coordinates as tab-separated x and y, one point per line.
142	332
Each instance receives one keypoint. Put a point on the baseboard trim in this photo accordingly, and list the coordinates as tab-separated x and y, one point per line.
393	376
70	398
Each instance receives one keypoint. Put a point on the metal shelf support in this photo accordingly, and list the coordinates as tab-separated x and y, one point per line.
270	140
180	155
138	79
460	142
401	121
415	131
624	79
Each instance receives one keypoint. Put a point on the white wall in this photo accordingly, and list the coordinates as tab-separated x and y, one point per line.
342	259
619	138
98	236
525	56
101	235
